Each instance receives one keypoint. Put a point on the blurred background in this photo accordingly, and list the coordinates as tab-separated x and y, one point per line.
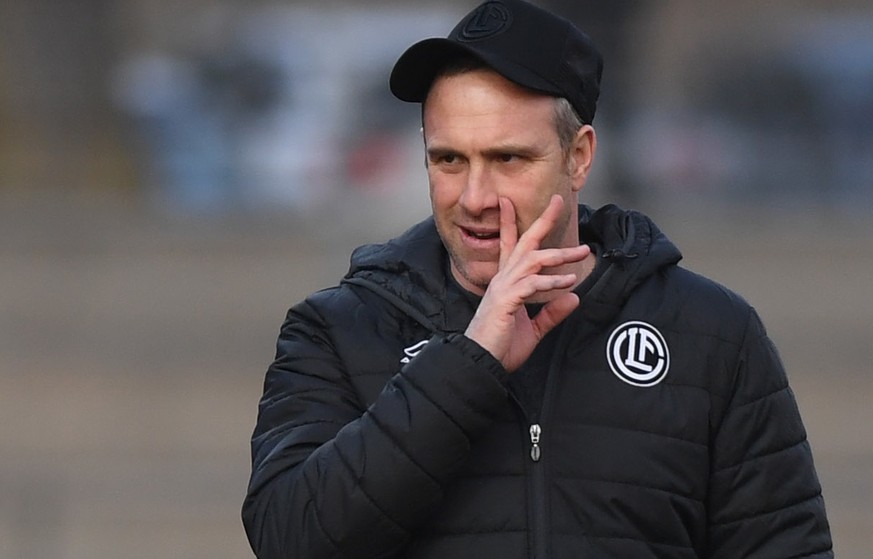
175	175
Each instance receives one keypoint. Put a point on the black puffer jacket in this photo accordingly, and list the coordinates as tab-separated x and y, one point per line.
667	427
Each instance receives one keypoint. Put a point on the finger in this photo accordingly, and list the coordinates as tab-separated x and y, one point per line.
553	313
543	225
535	261
508	230
543	284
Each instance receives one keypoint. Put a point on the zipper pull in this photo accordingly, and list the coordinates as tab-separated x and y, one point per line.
535	432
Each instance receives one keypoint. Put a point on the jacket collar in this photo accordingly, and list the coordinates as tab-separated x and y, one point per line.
412	267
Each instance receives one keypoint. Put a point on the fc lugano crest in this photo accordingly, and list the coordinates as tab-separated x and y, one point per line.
638	354
488	20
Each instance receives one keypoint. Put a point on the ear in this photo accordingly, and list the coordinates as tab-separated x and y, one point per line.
581	156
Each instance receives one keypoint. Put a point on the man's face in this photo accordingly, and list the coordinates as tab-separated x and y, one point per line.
487	138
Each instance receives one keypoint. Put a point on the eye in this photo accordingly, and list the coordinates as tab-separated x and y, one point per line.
444	158
507	157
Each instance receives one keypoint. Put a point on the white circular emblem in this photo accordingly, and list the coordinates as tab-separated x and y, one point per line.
638	354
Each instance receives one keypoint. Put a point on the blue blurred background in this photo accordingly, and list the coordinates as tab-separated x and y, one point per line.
173	176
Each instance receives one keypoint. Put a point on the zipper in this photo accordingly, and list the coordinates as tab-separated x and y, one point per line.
535	451
537	482
538	516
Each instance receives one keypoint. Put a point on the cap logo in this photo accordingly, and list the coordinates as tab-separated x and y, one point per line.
638	354
488	20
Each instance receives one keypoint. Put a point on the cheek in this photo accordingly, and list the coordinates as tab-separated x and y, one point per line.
534	200
436	198
529	208
443	193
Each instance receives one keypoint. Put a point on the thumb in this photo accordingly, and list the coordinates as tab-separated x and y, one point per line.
553	313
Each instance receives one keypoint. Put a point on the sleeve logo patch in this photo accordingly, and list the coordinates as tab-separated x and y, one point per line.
413	350
637	354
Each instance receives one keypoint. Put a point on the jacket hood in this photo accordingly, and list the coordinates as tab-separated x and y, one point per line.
411	269
630	248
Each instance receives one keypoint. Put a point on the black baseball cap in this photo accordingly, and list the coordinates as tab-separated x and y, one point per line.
524	43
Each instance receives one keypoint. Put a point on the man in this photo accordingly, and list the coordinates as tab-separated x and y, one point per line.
520	376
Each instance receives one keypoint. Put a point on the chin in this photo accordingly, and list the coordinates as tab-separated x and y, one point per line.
477	275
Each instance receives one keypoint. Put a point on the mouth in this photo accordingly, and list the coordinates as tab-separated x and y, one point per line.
481	234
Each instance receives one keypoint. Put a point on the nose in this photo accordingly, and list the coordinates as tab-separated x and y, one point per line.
479	194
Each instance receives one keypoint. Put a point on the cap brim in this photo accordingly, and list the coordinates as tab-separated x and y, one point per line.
416	68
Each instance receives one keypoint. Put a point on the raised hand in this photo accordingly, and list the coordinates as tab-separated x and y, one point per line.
501	324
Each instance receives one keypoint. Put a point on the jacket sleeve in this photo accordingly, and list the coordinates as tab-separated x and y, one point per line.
765	499
330	479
